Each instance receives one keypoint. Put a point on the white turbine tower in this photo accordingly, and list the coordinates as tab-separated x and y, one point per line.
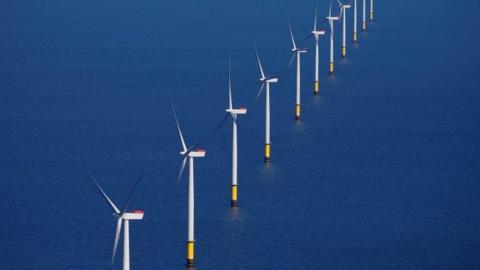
317	33
122	217
371	10
189	154
343	13
266	83
355	19
330	20
364	16
296	53
234	113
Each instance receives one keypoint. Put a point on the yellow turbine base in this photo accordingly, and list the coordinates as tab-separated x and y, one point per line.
190	253
331	68
355	38
316	87
371	16
267	152
344	52
297	111
364	26
234	201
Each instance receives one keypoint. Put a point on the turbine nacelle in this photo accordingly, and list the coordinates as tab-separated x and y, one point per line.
346	6
318	33
330	18
299	50
237	111
199	153
194	153
269	79
134	215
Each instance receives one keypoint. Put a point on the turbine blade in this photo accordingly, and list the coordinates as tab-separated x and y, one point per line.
330	10
105	196
324	21
291	59
131	192
260	91
316	14
306	38
219	126
179	130
212	134
182	168
117	237
339	3
291	35
259	63
230	106
331	29
234	118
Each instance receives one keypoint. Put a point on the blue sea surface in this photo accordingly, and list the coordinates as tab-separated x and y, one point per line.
382	171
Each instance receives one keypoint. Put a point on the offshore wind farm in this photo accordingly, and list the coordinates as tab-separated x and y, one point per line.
371	163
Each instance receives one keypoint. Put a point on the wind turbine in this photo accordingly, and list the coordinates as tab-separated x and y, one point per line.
296	53
266	83
371	10
189	154
234	113
343	13
330	20
316	33
355	36
364	16
122	217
